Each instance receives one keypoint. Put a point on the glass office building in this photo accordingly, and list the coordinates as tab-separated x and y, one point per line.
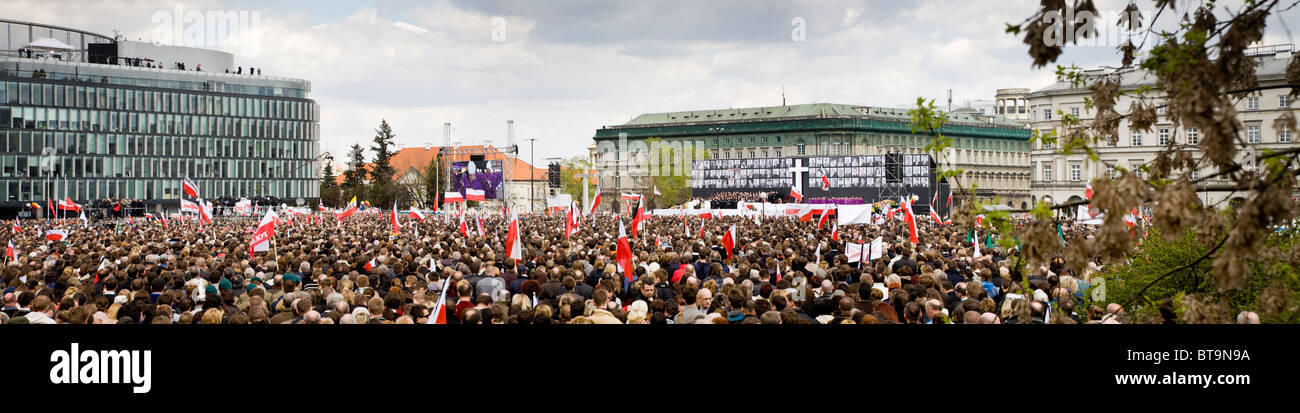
129	132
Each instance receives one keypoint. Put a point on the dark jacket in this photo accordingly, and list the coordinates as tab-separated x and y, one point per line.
581	288
664	291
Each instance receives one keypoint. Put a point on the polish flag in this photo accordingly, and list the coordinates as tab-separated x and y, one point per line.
415	213
979	220
514	248
826	213
10	252
835	232
464	229
190	188
595	201
624	252
478	221
452	197
17	229
910	219
638	219
67	205
187	206
321	208
1130	218
570	224
397	226
794	193
439	315
352	208
706	215
1087	192
163	219
474	194
935	215
371	264
805	214
778	270
729	240
826	181
262	236
205	212
56	234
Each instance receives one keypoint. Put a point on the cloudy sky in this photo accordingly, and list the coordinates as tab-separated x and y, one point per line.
562	69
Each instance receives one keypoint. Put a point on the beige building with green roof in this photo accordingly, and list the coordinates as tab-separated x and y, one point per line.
992	150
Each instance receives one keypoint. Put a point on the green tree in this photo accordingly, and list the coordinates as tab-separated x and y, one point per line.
354	178
381	174
329	190
435	182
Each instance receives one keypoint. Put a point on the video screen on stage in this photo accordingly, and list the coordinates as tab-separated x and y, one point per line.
484	175
856	176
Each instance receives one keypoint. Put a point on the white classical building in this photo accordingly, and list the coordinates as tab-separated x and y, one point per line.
1061	178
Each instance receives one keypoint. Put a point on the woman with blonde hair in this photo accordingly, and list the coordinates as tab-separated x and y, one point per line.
212	316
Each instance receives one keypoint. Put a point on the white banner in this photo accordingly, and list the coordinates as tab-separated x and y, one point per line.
853	251
877	248
854	214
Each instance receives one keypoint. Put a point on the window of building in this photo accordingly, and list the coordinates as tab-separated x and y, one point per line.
1163	135
1252	132
1047	114
1160	108
802	148
1135	138
1252	103
1076	173
1074	111
1047	173
1283	101
1285	134
1193	136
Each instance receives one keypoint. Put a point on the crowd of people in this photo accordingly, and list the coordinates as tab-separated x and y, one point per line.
781	271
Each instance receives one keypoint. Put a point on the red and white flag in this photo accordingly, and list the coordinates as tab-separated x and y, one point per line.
371	264
187	206
826	213
67	205
56	234
835	232
805	214
595	201
979	220
1087	192
439	315
474	195
452	197
397	226
514	248
826	180
415	213
262	235
163	218
638	219
464	229
17	229
190	188
571	221
910	219
352	208
935	214
478	222
624	253
205	212
729	240
10	252
794	193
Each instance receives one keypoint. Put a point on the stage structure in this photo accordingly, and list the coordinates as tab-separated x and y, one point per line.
493	176
870	177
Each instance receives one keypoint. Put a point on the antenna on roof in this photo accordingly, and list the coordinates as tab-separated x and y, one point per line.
782	95
949	100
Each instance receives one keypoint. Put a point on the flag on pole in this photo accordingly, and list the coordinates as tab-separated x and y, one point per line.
10	252
85	223
439	315
794	193
16	229
371	264
818	253
187	206
352	208
1087	192
397	226
478	222
910	219
514	248
729	240
595	201
464	229
415	213
262	236
624	253
835	232
35	206
67	205
190	188
826	213
977	246
638	219
163	219
205	212
474	195
826	180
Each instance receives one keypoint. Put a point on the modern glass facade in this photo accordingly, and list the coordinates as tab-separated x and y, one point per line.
134	133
